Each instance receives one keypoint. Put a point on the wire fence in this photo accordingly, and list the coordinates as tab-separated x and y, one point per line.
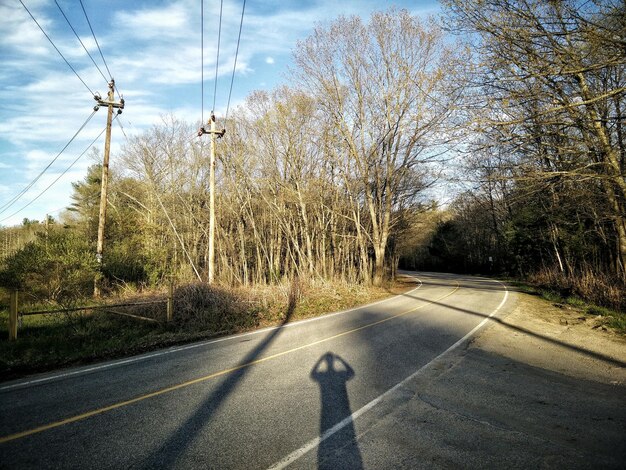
15	314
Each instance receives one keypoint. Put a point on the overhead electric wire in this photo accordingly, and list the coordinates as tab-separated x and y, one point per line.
79	40
243	9
202	61
119	122
217	61
57	49
57	178
99	49
94	38
30	185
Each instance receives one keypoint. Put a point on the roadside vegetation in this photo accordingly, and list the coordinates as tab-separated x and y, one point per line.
544	157
328	181
200	311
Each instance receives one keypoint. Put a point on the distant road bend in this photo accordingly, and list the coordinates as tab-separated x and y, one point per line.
296	395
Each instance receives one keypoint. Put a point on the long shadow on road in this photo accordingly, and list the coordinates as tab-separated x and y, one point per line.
177	444
571	347
331	372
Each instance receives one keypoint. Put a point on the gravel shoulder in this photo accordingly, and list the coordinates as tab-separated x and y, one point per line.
559	339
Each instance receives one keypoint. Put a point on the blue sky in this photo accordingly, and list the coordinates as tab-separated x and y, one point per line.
153	50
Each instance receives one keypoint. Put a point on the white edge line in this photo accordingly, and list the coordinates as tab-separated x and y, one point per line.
298	453
176	349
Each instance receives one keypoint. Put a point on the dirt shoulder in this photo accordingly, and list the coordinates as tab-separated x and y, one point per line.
558	338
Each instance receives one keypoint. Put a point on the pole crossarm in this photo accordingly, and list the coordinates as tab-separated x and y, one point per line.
113	104
211	130
219	134
109	102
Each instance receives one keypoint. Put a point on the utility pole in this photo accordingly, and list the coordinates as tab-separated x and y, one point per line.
110	104
213	133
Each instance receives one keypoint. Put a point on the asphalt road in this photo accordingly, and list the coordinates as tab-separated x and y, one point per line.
334	392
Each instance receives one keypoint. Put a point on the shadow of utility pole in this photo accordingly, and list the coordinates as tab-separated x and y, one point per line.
547	339
177	444
338	450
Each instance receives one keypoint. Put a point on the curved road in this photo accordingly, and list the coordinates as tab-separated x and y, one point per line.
293	395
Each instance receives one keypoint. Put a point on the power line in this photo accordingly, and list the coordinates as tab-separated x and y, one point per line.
57	179
57	210
217	61
243	9
94	38
99	49
30	185
56	48
202	61
119	122
79	40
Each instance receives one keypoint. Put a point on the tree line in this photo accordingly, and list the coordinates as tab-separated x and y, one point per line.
545	156
313	179
329	176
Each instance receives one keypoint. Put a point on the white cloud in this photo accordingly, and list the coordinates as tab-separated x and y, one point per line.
153	50
156	23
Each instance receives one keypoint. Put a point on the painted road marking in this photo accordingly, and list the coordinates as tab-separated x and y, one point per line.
144	357
314	443
80	417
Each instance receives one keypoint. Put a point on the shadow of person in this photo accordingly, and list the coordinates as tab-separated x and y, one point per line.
336	449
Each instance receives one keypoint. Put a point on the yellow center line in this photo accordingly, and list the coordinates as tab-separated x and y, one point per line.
88	414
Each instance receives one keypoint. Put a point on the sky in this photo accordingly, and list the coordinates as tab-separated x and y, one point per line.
155	51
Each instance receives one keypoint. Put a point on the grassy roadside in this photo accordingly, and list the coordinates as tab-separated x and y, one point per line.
48	342
613	319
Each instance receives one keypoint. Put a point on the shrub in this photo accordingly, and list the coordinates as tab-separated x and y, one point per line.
59	266
588	285
208	307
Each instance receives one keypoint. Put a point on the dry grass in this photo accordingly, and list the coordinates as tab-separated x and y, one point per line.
200	306
593	287
200	311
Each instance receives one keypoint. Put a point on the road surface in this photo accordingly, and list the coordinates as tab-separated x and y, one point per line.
356	389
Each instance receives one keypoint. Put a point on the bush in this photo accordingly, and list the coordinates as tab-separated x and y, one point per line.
590	286
208	307
59	266
123	265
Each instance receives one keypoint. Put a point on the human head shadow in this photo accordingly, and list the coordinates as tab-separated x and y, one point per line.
169	453
338	447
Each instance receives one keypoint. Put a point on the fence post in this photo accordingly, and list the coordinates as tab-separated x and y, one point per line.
13	316
170	300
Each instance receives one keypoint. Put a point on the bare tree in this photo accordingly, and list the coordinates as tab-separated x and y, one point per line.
384	87
551	78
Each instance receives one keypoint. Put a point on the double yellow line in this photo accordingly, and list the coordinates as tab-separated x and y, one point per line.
98	411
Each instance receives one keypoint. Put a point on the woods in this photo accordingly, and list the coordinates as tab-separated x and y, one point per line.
545	146
312	178
329	177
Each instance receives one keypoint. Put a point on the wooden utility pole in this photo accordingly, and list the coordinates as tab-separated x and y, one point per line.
213	133
110	104
13	316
